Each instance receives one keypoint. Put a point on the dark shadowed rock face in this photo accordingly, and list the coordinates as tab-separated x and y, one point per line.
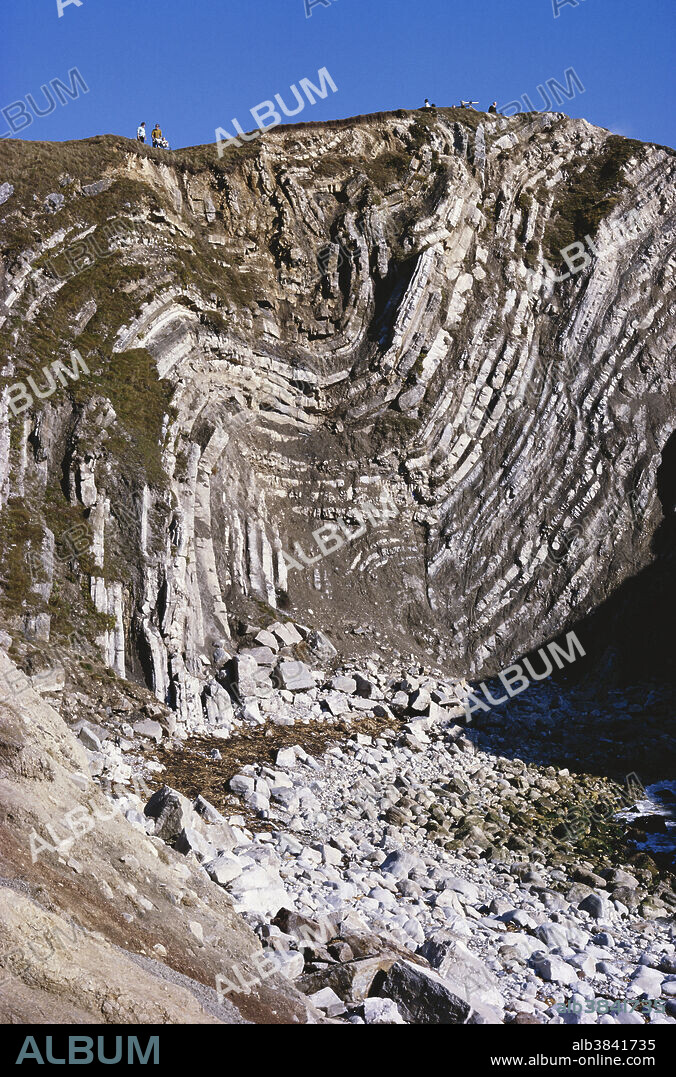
354	326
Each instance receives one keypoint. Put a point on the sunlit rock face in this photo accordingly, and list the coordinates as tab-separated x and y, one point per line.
364	327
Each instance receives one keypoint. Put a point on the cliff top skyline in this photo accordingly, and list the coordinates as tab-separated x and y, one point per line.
194	73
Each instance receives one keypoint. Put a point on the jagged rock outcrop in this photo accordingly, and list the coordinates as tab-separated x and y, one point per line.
356	326
99	923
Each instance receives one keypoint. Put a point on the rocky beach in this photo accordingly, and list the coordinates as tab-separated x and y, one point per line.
395	863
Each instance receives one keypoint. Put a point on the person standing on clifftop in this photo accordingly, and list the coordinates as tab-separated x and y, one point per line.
141	133
494	108
156	134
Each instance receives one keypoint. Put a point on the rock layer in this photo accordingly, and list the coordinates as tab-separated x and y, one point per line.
351	326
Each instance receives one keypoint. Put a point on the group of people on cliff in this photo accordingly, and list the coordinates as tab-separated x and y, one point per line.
493	110
159	141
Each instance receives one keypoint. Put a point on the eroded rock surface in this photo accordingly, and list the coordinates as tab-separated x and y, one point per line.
99	922
355	327
280	432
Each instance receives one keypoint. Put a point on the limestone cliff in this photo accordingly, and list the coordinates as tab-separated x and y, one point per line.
361	322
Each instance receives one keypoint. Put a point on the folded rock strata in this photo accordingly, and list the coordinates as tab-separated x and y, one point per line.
346	319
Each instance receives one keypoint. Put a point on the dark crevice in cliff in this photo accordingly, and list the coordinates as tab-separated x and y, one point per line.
388	294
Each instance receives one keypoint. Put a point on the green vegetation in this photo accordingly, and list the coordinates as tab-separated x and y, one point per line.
228	281
109	284
196	159
34	168
416	370
392	429
387	169
333	164
531	254
65	519
213	319
588	830
72	609
466	117
421	130
20	532
141	400
592	190
21	535
383	171
525	202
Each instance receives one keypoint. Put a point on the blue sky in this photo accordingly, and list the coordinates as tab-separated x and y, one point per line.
195	64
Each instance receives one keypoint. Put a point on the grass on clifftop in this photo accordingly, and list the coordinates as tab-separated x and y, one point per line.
591	192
